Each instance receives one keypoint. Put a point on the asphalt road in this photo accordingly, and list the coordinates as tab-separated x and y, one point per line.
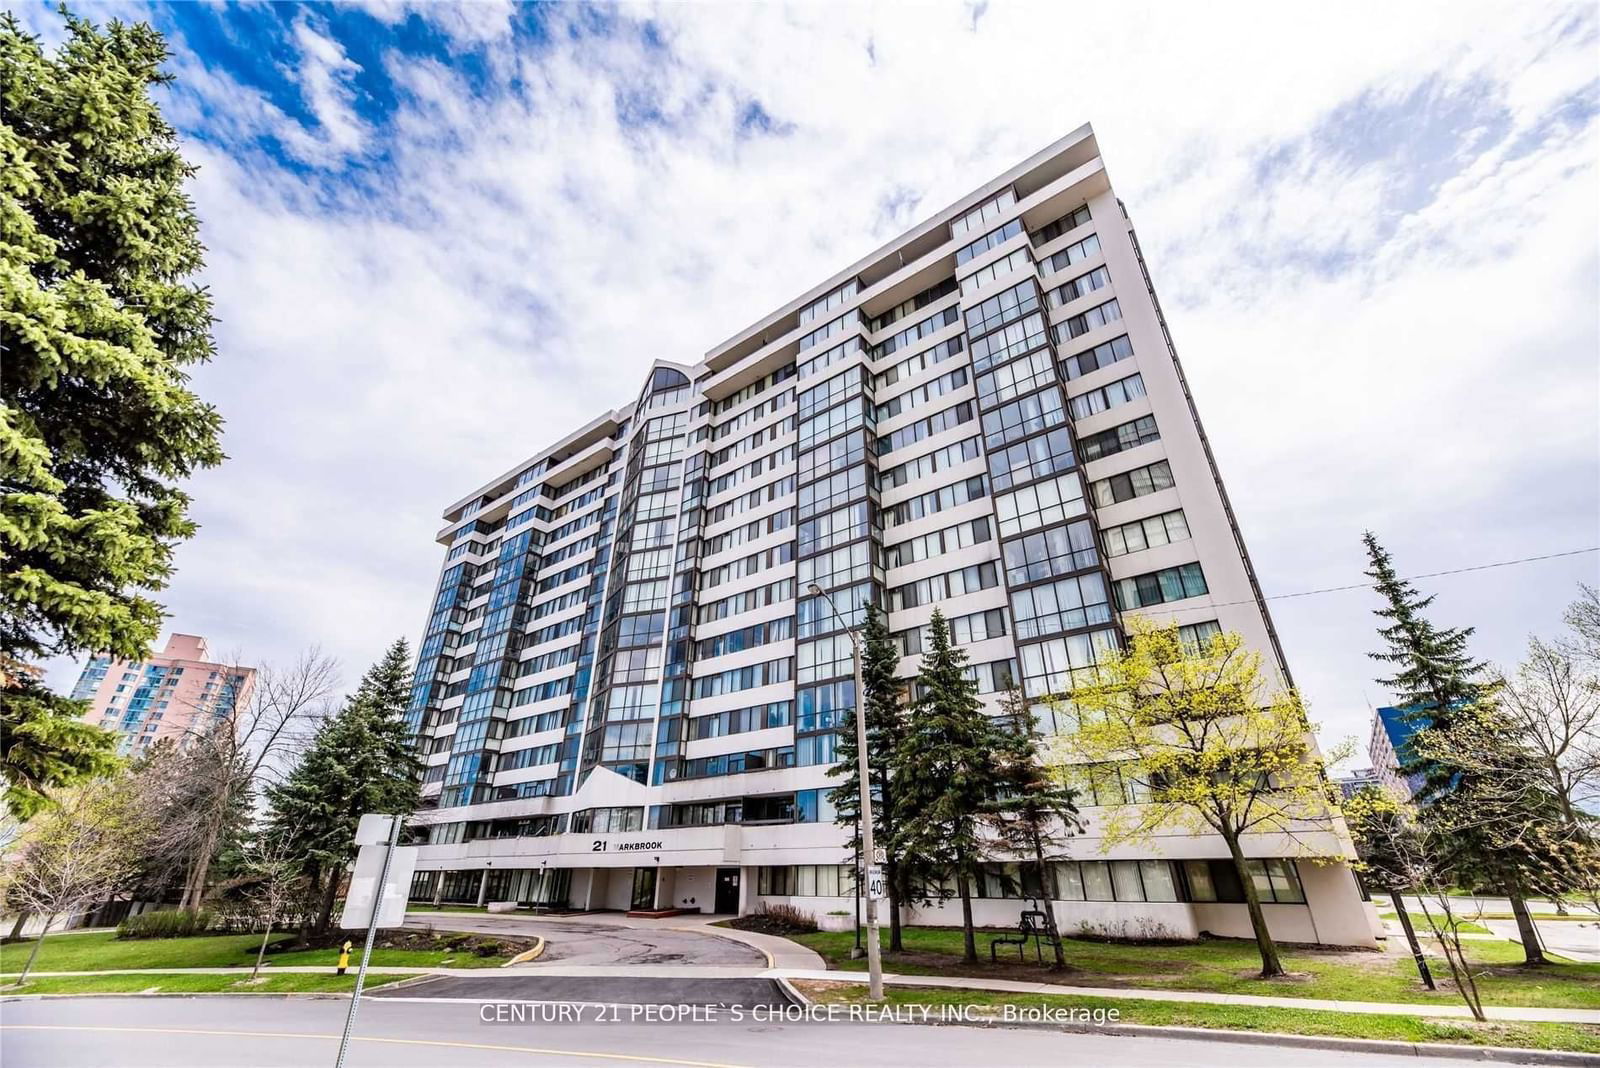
223	1032
605	943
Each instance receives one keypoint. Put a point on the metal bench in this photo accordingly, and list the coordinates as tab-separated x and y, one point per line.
1030	925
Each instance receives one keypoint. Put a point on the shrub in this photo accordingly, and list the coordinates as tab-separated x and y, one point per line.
167	923
489	948
787	916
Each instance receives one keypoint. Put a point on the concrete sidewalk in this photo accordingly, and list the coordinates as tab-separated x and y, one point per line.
1002	986
1381	1008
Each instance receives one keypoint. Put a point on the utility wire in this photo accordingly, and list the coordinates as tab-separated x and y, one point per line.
1408	578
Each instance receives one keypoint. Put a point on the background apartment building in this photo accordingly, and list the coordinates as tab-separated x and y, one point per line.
628	698
171	695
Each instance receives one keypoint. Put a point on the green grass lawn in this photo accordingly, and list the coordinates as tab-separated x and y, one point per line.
179	983
1230	966
104	952
1246	1018
1421	925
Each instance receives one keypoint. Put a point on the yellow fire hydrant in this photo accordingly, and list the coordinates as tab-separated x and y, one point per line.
344	958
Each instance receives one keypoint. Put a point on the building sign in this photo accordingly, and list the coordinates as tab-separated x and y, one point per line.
602	846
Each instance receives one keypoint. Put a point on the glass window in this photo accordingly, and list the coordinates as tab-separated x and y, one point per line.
1097	881
1285	881
1158	882
1201	887
1125	875
1069	882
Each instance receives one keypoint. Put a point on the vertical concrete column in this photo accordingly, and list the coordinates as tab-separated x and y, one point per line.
438	887
666	892
483	886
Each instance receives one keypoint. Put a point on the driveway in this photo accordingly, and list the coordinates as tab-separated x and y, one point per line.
608	940
1576	940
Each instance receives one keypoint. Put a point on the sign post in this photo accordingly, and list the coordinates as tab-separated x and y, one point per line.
368	824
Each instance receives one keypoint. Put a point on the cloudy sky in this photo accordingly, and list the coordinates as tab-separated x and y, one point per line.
441	235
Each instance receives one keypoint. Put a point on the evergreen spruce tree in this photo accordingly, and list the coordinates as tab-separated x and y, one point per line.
886	714
1434	676
1033	811
945	769
1447	696
100	321
361	760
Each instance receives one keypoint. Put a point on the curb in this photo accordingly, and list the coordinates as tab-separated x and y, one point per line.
1497	1054
706	930
319	995
791	992
527	955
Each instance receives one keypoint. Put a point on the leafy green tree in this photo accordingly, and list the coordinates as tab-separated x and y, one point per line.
361	760
945	769
76	853
100	321
1502	824
885	712
1202	741
1033	812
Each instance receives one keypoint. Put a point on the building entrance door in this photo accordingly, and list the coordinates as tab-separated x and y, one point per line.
727	890
644	888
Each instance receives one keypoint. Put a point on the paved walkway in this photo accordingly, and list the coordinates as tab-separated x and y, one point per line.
519	973
603	938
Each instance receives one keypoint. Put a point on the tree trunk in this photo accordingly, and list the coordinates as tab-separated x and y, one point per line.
1411	940
314	874
28	967
262	952
1532	948
969	940
892	873
329	892
1270	964
16	928
892	863
195	891
1047	884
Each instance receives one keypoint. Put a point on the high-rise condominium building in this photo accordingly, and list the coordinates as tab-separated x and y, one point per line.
171	695
627	695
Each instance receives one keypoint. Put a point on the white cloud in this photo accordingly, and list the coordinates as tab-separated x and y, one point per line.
324	74
1368	346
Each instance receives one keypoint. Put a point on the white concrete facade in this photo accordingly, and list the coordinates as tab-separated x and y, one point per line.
623	678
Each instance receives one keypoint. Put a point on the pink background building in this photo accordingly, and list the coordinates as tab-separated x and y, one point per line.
173	694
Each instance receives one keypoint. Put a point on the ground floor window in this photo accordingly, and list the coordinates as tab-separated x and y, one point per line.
1134	880
1276	881
540	886
806	880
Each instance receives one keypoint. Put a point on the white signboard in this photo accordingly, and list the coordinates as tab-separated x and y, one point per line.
875	888
364	881
374	829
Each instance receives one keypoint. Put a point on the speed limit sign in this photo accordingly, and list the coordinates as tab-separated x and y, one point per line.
875	887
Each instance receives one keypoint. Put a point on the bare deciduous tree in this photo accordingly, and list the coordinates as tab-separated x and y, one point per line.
280	889
231	751
1553	698
75	853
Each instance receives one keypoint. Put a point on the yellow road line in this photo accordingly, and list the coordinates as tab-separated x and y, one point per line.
391	1041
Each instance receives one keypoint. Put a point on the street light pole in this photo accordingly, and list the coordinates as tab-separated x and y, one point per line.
868	856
